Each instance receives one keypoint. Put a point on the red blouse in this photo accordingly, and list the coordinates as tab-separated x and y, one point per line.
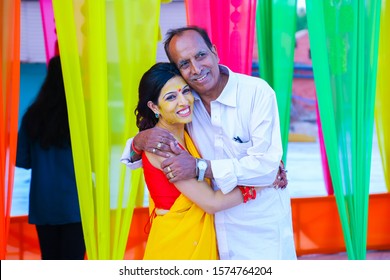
163	193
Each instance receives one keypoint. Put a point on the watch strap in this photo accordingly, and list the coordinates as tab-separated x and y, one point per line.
196	168
201	172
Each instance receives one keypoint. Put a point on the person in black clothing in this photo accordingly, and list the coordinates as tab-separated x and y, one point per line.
44	146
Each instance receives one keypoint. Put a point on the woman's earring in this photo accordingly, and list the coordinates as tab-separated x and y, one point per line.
156	114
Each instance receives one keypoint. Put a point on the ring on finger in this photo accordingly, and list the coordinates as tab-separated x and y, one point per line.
171	175
169	169
159	145
154	150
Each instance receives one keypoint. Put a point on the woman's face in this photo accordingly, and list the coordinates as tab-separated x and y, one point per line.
176	102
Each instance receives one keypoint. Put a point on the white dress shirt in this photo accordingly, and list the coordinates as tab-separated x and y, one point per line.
242	140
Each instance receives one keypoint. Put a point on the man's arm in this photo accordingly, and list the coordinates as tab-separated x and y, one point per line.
281	178
155	140
183	166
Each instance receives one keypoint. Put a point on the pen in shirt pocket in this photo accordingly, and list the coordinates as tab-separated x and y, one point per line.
237	139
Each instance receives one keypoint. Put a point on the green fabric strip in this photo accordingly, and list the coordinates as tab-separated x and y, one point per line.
344	46
276	26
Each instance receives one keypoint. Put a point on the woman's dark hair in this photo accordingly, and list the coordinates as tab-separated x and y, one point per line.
46	119
149	89
179	31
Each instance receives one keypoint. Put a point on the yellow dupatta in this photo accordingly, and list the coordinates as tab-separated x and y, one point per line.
186	232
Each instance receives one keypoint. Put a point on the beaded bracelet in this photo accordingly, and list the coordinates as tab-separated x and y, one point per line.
248	193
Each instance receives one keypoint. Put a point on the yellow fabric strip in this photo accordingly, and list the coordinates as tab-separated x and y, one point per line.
105	48
136	33
66	32
382	105
94	59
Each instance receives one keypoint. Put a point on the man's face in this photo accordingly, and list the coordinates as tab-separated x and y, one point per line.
197	63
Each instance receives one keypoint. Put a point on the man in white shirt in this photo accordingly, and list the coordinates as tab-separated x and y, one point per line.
236	130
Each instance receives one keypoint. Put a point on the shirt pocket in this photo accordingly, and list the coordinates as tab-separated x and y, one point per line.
241	149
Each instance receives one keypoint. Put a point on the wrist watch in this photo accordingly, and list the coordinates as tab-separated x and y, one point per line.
201	166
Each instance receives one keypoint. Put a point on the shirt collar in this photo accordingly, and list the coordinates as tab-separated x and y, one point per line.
228	95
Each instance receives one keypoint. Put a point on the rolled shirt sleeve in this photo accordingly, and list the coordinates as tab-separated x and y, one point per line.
126	158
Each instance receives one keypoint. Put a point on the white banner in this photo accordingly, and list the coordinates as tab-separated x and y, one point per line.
112	270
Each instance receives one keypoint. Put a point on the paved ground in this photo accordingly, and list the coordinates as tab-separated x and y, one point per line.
371	255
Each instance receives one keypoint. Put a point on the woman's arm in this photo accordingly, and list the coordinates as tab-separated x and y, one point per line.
206	198
201	193
153	139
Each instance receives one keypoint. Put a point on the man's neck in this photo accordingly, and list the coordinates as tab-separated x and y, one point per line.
216	92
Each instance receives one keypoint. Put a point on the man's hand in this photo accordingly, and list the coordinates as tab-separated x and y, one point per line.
281	178
155	140
179	167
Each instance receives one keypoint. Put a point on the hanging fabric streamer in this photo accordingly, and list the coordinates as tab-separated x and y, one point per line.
276	26
105	48
344	47
324	158
9	109
49	29
382	113
230	27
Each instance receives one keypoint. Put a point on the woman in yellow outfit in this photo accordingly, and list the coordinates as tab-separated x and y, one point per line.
182	222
